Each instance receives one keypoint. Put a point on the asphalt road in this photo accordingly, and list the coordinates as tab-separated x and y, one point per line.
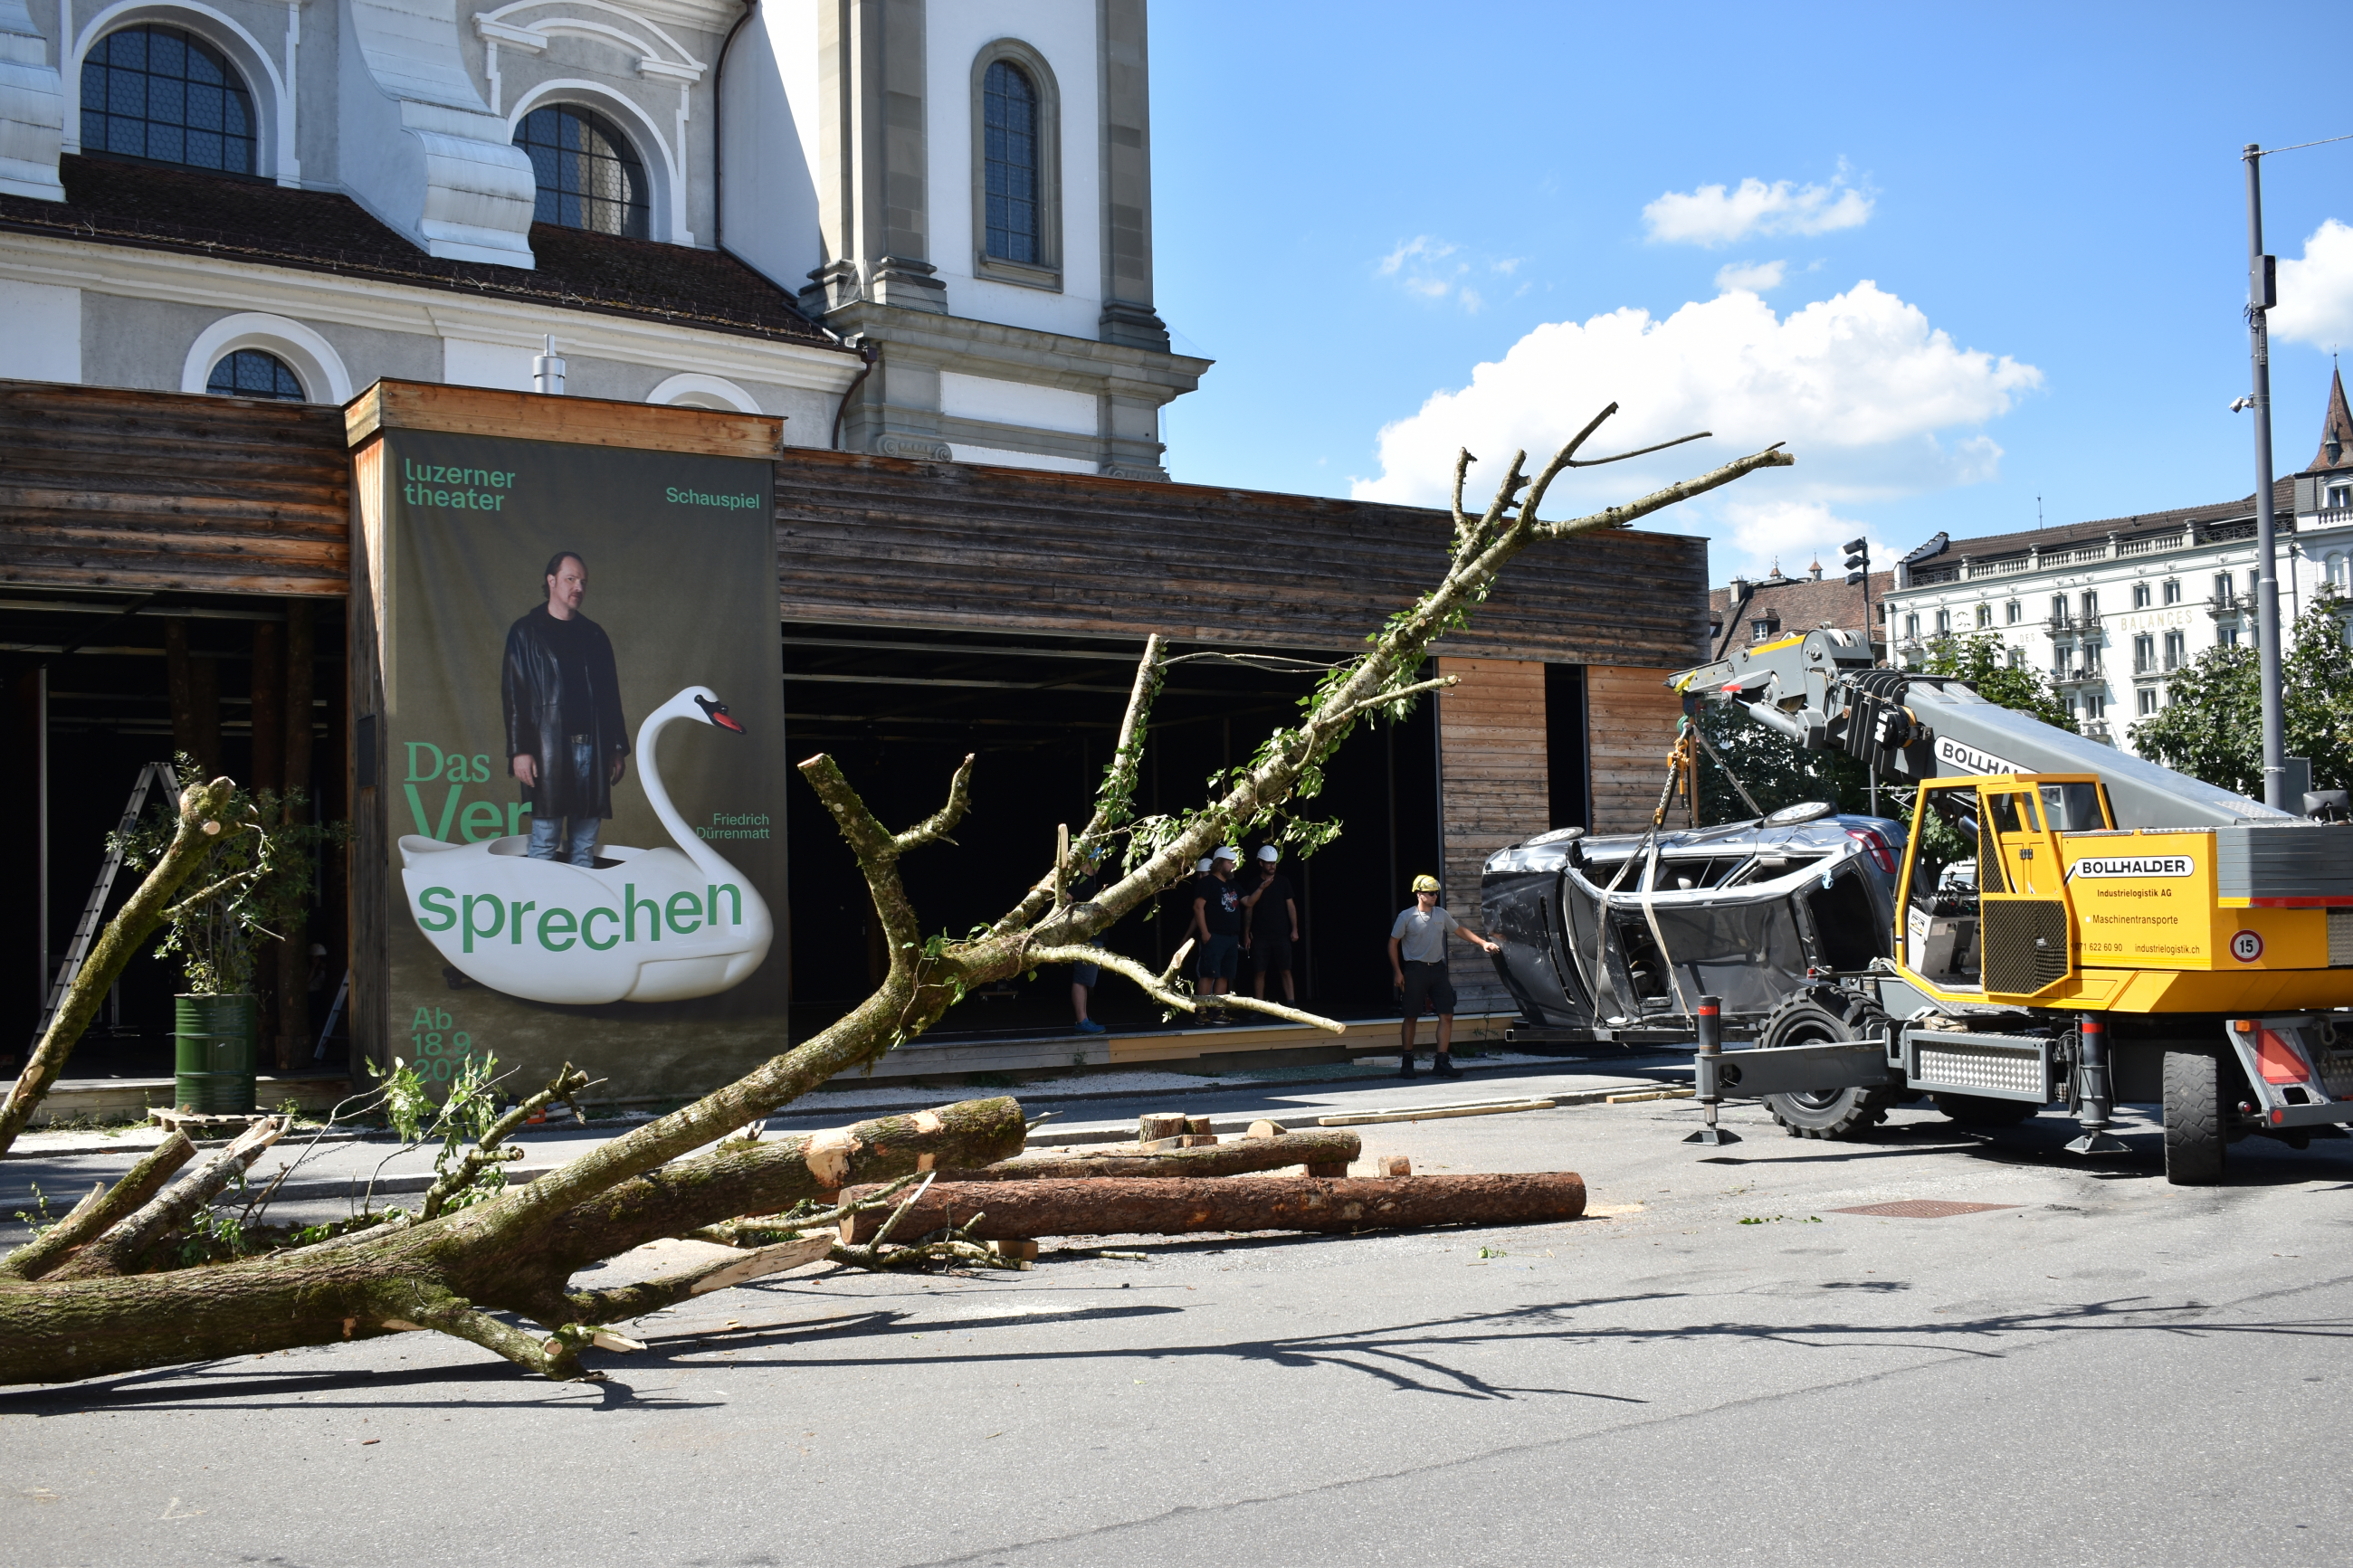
1717	1366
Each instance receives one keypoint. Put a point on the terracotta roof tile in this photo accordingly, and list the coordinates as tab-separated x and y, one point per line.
1793	604
153	208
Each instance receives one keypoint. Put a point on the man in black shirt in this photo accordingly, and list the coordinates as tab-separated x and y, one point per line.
568	742
1217	917
1275	924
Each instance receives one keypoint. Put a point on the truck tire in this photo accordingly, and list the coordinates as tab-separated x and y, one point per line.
2197	1131
1983	1109
1810	1017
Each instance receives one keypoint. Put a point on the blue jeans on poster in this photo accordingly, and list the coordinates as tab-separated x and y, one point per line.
578	833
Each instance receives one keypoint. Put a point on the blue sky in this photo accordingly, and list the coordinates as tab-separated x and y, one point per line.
1991	254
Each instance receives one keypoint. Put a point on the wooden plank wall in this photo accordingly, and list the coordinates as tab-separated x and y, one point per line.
884	542
106	488
103	487
1630	719
1493	784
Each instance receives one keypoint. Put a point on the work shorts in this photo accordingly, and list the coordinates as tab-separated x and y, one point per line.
1085	975
1270	954
1220	957
1426	985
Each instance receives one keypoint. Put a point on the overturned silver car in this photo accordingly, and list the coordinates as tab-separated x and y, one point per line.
1618	937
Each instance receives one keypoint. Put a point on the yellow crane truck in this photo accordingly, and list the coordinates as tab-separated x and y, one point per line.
2125	933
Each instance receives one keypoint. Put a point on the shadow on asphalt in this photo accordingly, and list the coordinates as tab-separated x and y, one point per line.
1412	1358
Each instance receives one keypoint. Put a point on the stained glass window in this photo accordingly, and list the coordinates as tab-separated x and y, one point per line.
589	176
160	93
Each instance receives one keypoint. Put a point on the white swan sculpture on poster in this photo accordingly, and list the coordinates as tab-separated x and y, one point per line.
643	925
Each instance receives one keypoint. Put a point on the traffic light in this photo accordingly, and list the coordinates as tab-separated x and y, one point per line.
1858	561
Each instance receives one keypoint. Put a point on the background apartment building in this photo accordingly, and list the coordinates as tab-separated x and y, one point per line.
2112	607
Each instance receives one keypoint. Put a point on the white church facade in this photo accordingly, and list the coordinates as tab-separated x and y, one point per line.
2113	608
919	227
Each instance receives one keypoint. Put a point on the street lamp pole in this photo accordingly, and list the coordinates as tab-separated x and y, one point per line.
2261	294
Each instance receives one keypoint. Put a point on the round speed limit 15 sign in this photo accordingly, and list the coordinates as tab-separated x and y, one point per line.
2246	946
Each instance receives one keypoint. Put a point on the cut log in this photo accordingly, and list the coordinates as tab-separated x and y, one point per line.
1159	1124
1200	1140
1197	1125
1233	1159
1393	1166
1022	1211
1264	1128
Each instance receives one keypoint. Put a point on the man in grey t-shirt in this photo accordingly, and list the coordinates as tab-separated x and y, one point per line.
1418	960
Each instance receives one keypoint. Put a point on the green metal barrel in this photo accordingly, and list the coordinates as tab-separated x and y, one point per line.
213	1040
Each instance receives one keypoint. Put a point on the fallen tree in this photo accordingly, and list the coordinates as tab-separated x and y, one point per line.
516	1251
1149	1205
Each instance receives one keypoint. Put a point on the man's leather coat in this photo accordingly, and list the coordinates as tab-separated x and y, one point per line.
531	692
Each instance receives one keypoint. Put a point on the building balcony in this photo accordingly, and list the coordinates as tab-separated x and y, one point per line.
2221	605
2082	675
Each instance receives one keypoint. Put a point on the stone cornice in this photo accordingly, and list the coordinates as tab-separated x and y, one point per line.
1026	354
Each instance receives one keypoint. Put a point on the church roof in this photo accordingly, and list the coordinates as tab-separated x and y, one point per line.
148	206
2336	430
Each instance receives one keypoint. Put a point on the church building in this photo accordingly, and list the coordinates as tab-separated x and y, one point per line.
911	229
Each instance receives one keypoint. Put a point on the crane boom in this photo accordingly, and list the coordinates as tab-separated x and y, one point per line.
1820	689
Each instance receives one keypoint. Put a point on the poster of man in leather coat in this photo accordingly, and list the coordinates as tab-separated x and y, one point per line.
568	742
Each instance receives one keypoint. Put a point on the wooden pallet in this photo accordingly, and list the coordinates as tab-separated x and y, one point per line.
202	1123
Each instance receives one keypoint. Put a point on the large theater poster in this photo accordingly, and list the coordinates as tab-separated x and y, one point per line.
584	761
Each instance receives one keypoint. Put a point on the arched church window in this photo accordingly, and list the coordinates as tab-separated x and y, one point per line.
588	176
254	373
160	93
1009	121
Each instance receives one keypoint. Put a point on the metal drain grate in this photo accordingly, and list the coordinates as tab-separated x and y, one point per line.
1921	1208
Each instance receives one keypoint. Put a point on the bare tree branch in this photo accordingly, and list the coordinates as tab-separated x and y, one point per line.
201	809
92	1218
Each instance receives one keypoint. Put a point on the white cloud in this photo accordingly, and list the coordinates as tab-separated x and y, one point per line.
1757	277
1421	248
1713	216
1875	401
1433	269
2316	291
1797	535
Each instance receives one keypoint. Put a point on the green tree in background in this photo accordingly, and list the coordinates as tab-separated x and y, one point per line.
2212	726
1981	659
1776	770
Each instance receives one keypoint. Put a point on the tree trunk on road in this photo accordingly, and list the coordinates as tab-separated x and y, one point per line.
1023	1211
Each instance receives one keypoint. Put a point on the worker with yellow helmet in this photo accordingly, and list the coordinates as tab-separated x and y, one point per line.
1418	961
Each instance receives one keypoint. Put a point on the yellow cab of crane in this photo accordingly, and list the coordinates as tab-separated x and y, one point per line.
2066	911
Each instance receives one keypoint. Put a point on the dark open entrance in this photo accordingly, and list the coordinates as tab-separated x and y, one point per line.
899	709
90	682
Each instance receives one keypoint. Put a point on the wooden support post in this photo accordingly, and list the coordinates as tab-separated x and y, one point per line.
266	769
194	687
294	953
